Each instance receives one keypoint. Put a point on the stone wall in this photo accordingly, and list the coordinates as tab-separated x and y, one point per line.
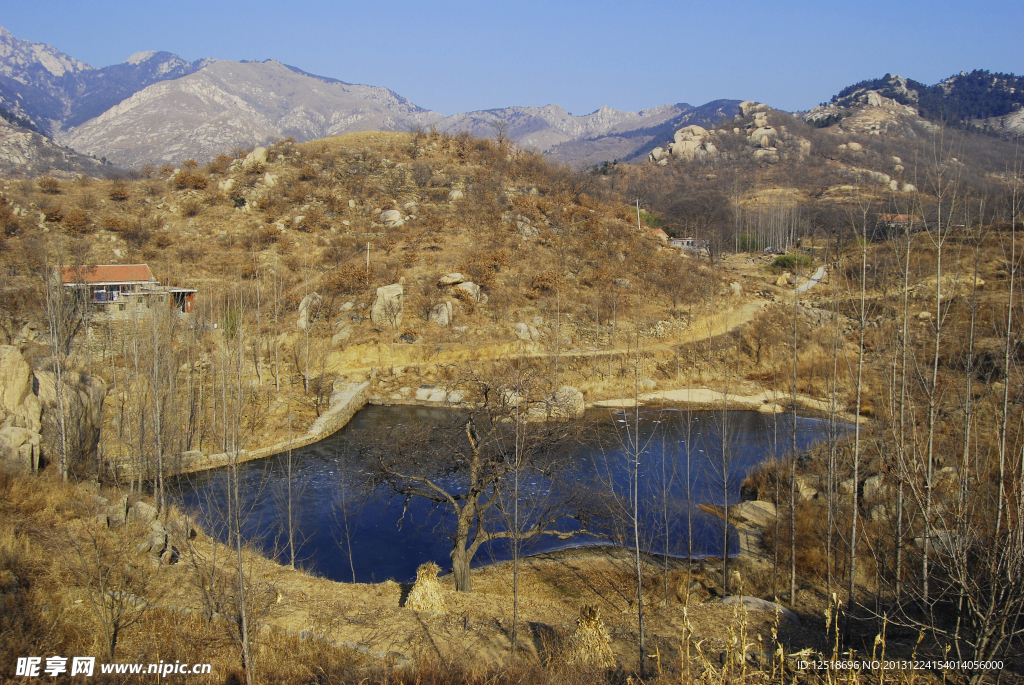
346	399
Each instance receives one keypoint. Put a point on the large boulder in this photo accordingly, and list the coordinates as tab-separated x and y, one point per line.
441	314
19	407
761	605
308	308
392	218
756	512
388	306
759	134
255	160
566	403
685	149
82	399
142	514
19	447
693	132
471	289
525	332
750	107
453	278
343	335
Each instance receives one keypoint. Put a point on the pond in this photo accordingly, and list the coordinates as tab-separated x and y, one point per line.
681	467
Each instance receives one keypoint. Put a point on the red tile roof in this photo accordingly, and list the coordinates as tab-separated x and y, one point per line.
108	273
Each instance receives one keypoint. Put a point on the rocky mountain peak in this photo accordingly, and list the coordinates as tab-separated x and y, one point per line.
140	57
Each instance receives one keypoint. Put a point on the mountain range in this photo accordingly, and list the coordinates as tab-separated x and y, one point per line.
158	108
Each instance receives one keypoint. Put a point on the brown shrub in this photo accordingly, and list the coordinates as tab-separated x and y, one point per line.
166	170
190	205
49	185
9	224
189	253
312	219
190	179
119	192
220	164
53	213
135	232
76	221
87	200
112	222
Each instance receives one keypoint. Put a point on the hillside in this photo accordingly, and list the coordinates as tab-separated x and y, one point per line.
981	100
24	152
428	269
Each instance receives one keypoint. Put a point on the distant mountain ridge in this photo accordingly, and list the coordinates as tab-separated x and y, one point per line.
156	107
54	91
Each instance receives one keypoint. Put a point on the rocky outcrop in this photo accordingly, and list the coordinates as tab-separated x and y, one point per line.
471	290
82	397
392	218
689	142
441	314
308	308
526	333
29	421
388	306
453	278
566	403
255	161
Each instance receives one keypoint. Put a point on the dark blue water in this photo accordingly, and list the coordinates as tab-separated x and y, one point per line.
681	467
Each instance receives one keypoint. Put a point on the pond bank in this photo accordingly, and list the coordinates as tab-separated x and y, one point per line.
711	400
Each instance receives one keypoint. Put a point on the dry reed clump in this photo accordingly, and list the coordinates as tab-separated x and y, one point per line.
590	645
426	593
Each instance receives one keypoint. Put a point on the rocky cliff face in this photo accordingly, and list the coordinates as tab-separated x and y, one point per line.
29	431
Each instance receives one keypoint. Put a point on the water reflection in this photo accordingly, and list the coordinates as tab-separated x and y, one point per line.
346	530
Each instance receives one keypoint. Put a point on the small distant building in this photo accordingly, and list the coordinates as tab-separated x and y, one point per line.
121	290
891	225
691	245
658	233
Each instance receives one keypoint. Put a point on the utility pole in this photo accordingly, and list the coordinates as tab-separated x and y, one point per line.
638	228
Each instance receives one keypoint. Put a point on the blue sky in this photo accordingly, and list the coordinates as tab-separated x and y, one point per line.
462	56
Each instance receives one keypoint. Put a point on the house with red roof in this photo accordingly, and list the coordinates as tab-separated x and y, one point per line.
113	289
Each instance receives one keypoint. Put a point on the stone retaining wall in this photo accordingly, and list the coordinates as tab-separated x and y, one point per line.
346	399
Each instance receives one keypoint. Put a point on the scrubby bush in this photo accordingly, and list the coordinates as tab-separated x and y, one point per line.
119	192
111	222
190	179
49	185
220	164
190	205
788	262
76	221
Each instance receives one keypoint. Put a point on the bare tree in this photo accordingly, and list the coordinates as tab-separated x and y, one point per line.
462	467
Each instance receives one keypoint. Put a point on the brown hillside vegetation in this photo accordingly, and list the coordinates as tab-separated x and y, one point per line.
518	278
